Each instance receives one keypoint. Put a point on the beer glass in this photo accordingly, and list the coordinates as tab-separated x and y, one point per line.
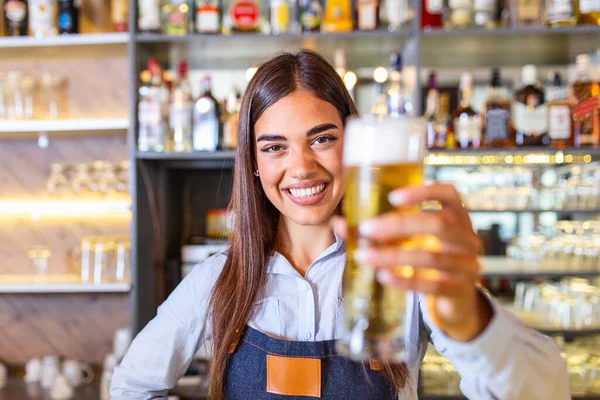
380	155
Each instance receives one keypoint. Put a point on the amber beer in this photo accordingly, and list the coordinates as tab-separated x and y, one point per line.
380	155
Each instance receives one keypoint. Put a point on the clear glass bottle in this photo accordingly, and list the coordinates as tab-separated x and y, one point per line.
149	16
175	16
465	123
208	16
498	130
395	14
562	12
560	118
398	99
15	17
458	15
230	123
582	94
119	15
152	114
431	108
485	14
589	12
367	12
527	13
529	111
284	17
205	136
180	113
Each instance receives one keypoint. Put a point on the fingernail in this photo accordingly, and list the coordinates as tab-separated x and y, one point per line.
365	228
360	256
383	276
397	197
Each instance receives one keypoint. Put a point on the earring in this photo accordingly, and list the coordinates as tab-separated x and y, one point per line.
256	173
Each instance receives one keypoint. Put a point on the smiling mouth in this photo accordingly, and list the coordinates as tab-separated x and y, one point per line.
308	192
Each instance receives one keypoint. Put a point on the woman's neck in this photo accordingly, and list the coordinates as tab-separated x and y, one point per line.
300	244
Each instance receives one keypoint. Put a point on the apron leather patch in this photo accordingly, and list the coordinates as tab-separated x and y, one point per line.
294	376
375	364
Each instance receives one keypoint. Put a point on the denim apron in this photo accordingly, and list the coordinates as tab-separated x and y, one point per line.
341	379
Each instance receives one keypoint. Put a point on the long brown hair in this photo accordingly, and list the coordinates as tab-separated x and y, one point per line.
255	219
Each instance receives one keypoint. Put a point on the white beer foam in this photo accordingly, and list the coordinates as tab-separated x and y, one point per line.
374	141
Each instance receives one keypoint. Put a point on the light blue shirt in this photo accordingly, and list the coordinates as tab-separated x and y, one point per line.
506	361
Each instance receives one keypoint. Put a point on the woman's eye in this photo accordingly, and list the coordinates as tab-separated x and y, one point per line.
325	139
272	149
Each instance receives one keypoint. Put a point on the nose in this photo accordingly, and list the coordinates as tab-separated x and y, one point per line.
302	164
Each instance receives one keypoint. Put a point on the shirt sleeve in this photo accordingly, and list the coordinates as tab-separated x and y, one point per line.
507	361
161	353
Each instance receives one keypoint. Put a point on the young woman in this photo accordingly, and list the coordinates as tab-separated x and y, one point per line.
269	309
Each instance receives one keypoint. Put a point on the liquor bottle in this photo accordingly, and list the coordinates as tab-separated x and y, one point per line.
311	15
15	14
175	16
431	14
560	119
527	12
42	18
338	16
396	14
180	113
458	14
497	127
230	122
431	110
119	15
205	136
367	15
149	16
68	16
208	16
152	110
530	113
284	17
465	123
486	14
583	94
442	122
398	99
562	12
589	12
242	16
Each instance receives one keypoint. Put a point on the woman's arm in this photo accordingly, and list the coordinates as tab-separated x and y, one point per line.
163	350
505	361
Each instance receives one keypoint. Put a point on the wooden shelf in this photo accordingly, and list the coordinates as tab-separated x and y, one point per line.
524	31
16	208
65	288
503	267
96	39
66	125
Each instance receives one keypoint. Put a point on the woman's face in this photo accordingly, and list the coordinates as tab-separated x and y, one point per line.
299	154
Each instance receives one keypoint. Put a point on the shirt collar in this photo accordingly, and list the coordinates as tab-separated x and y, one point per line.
278	264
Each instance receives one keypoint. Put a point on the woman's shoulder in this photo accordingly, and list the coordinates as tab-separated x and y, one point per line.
203	275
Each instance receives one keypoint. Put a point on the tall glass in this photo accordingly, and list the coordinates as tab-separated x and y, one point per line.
380	155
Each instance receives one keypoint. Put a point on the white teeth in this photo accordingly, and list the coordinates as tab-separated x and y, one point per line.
308	192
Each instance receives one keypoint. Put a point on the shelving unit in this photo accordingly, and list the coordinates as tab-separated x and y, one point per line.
97	39
503	267
64	128
30	288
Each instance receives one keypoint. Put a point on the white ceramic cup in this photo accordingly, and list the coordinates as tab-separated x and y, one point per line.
50	368
33	370
121	342
77	373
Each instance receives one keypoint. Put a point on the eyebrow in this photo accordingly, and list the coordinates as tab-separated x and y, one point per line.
311	132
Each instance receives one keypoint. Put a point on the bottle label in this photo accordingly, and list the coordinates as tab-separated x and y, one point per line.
586	6
280	16
244	14
119	11
434	6
367	14
149	15
484	5
206	132
496	124
467	128
16	11
559	126
532	121
559	10
397	12
312	15
528	9
454	4
176	23
207	17
180	116
42	16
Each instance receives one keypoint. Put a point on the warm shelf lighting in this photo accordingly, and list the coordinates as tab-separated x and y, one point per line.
36	209
442	159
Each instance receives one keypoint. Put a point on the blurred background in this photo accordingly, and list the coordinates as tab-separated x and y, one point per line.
118	122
